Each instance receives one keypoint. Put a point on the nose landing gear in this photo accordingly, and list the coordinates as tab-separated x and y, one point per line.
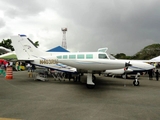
136	82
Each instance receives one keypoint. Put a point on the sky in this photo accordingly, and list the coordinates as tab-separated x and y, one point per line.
124	26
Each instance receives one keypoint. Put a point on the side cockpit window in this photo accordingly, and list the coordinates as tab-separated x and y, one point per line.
102	56
111	57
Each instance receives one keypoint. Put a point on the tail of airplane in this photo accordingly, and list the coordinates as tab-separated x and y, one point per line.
25	50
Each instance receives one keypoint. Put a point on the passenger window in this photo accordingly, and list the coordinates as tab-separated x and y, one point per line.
59	57
102	56
89	56
72	56
80	56
64	56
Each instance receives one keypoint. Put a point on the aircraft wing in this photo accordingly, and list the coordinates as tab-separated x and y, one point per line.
155	59
59	67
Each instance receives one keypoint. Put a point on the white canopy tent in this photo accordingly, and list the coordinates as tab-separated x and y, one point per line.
156	59
4	50
9	56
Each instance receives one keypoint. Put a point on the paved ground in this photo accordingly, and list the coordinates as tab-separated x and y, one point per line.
24	98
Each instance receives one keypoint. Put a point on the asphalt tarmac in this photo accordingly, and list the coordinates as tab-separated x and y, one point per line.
112	99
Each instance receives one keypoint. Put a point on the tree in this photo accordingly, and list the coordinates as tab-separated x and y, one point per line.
148	52
120	56
36	44
7	44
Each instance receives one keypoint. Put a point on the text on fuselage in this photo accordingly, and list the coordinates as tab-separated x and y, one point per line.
48	61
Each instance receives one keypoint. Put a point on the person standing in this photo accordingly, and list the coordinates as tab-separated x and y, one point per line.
29	69
16	66
157	75
33	67
3	68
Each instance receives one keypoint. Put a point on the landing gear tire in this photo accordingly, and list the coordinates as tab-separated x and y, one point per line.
90	86
93	78
124	76
136	83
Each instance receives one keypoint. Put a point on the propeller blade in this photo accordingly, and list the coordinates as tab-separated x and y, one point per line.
127	64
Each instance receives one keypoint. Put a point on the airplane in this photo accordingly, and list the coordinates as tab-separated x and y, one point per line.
84	62
138	66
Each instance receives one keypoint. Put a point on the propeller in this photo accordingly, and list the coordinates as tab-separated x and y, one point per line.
127	64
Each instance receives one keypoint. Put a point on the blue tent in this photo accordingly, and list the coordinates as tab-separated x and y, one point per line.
58	49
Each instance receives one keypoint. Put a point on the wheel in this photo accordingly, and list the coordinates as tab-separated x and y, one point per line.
93	78
90	86
136	83
124	76
79	78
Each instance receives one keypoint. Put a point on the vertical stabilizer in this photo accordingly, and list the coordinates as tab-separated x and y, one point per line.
25	50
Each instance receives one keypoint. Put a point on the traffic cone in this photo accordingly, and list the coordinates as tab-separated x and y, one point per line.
9	73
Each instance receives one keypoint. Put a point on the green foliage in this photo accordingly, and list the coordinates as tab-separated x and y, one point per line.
36	44
120	56
7	44
146	53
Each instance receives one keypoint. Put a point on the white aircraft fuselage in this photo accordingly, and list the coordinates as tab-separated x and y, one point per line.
89	61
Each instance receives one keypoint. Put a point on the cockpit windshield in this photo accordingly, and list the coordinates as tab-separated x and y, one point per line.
111	57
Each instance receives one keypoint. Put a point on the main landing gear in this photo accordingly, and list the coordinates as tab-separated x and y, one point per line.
90	79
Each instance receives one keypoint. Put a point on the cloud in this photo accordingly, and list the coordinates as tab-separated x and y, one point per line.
122	26
22	8
2	23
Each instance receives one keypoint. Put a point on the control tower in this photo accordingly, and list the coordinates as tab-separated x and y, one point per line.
64	43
